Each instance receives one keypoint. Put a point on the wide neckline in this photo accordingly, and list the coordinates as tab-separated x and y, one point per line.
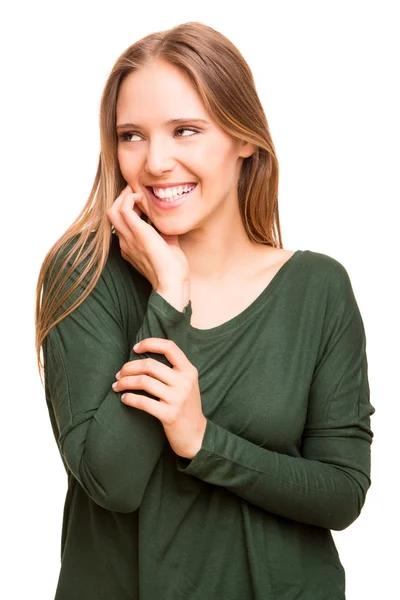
267	292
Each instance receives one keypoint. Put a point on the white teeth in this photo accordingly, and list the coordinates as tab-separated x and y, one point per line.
172	193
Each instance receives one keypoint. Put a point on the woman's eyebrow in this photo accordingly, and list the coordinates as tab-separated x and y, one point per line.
170	122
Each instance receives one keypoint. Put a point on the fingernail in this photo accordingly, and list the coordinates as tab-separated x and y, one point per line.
118	375
136	346
114	385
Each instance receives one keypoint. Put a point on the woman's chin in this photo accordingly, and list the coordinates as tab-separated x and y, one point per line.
165	226
169	230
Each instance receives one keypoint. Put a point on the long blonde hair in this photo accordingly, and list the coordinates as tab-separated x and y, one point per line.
225	83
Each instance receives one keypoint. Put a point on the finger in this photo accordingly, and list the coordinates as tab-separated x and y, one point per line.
115	208
153	407
124	193
149	366
138	197
145	383
122	231
175	355
127	207
117	218
113	213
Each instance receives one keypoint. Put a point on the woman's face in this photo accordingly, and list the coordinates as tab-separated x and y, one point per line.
154	152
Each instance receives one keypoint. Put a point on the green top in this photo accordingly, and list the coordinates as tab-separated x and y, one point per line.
284	459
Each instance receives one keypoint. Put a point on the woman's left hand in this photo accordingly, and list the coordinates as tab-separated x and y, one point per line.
179	408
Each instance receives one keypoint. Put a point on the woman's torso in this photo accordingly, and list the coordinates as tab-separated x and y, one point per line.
190	539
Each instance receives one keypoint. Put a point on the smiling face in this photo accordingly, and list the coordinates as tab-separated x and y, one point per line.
153	151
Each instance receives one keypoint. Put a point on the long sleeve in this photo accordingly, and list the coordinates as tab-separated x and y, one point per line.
327	484
110	448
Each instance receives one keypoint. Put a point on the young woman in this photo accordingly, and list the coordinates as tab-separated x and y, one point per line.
212	460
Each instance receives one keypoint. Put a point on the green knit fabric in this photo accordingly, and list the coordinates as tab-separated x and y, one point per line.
285	457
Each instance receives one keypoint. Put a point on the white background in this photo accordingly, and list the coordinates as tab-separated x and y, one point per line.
327	74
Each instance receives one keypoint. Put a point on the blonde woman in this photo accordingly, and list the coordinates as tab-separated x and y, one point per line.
211	461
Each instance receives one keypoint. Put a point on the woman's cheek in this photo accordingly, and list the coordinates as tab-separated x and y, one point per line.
124	170
125	164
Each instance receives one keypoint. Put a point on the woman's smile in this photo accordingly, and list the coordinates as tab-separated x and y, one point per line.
171	201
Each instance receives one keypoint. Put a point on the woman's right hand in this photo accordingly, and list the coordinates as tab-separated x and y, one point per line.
156	256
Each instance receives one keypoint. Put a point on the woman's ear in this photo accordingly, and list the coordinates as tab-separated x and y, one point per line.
247	149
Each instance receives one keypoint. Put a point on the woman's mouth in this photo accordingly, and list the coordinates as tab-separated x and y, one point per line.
173	202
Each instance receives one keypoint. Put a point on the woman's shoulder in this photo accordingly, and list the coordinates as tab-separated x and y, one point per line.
75	256
322	265
84	250
313	260
118	288
327	276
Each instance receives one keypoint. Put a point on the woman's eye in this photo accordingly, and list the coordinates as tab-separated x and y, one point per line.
187	129
126	137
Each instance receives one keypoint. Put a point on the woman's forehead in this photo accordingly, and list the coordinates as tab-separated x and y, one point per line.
158	94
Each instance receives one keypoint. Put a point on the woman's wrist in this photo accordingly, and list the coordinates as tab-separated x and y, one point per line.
177	294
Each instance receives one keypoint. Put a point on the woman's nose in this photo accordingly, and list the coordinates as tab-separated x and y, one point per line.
159	158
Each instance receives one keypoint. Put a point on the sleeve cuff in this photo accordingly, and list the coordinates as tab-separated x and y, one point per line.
160	304
198	463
